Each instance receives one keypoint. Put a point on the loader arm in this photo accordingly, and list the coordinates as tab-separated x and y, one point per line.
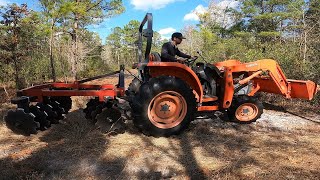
267	76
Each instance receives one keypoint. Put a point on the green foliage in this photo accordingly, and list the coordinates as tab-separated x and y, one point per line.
123	43
269	34
19	38
284	30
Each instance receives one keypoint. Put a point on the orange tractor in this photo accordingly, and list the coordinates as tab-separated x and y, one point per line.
164	97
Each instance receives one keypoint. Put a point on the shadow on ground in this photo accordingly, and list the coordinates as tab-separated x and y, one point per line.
209	149
73	150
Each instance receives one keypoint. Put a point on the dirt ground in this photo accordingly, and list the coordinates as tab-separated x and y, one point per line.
280	145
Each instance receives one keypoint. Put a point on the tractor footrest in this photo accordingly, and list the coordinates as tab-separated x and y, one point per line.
209	98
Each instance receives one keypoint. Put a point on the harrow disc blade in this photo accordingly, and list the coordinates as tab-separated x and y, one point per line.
88	112
52	115
64	101
41	117
21	123
90	107
95	113
59	110
110	121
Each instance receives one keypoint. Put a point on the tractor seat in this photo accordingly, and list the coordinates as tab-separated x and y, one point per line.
155	57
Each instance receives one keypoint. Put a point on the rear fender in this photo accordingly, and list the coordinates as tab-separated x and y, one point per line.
178	70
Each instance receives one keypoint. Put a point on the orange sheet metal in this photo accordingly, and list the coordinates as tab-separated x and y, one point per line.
246	80
303	89
208	108
274	81
178	70
73	89
228	88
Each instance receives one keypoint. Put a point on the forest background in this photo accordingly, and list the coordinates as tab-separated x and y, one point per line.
54	43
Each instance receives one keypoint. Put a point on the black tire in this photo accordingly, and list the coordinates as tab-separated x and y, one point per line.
150	90
245	110
133	89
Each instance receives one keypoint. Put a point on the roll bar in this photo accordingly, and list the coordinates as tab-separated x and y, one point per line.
148	33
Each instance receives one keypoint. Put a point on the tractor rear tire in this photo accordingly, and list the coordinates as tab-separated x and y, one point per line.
245	110
133	89
164	106
134	86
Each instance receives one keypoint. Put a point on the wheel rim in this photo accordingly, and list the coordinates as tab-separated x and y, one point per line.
247	112
167	109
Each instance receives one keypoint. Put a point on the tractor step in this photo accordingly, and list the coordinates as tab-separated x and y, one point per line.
209	98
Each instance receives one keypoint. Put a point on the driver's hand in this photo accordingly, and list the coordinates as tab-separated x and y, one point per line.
181	60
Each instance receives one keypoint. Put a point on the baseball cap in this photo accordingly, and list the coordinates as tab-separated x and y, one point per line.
177	35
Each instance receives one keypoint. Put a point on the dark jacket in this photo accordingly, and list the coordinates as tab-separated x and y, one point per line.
169	51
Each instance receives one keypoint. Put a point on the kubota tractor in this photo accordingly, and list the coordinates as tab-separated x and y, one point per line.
164	97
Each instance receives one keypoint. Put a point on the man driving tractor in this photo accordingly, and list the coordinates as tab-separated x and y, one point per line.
170	50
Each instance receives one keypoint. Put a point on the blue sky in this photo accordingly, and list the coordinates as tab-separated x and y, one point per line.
169	18
169	15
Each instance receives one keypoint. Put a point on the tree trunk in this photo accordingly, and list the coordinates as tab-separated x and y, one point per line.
16	73
17	65
53	71
74	53
5	90
304	38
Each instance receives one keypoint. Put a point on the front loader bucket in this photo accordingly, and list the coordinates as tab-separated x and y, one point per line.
303	89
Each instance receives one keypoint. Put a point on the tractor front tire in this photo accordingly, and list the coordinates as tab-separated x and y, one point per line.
245	110
163	106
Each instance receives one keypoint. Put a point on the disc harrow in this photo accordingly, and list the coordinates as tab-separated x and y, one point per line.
105	115
21	122
57	108
40	117
48	109
64	101
92	109
111	121
50	103
27	119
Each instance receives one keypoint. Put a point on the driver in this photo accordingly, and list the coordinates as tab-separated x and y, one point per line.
170	50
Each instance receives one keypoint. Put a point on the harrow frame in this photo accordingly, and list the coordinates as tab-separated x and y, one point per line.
77	88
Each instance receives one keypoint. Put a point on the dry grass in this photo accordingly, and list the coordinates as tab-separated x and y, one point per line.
212	149
209	149
296	106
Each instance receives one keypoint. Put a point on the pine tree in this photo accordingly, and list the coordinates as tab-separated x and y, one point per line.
18	38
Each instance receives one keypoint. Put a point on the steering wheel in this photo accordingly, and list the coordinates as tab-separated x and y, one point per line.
190	61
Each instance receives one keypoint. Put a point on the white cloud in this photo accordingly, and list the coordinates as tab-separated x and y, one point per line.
167	31
194	14
165	37
4	2
151	4
228	4
220	16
